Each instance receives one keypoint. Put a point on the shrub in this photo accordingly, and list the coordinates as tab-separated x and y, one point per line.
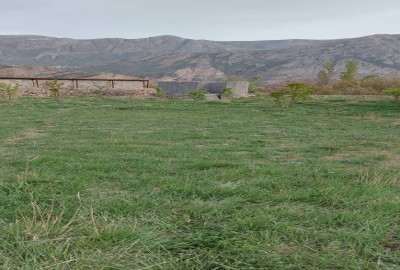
349	87
254	85
395	93
227	92
197	94
9	89
98	93
369	85
292	94
54	87
99	88
280	98
160	92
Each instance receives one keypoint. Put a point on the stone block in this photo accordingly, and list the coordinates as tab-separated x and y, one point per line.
213	97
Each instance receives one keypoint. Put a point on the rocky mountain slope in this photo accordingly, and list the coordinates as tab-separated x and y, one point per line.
170	57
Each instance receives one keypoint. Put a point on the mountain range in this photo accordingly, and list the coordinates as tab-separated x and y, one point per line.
175	58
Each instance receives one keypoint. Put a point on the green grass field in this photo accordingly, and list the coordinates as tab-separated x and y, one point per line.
175	184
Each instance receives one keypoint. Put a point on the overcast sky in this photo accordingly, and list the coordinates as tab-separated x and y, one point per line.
201	19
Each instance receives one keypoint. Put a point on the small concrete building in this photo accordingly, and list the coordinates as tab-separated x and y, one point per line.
179	89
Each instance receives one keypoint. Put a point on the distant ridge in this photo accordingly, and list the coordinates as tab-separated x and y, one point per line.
170	57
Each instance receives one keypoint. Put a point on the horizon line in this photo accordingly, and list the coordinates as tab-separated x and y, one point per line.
201	39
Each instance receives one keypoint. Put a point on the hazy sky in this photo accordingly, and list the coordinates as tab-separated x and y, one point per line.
201	19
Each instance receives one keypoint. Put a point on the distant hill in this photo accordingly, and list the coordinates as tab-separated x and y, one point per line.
171	57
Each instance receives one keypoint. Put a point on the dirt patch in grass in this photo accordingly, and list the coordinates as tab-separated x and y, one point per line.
200	146
351	153
396	122
27	134
339	156
393	161
352	97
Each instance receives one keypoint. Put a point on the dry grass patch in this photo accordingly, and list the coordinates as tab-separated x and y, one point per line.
392	162
27	134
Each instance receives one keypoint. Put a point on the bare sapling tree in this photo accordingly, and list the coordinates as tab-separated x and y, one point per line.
55	88
9	90
350	71
99	88
325	75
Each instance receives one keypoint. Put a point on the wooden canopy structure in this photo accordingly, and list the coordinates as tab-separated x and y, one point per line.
75	81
